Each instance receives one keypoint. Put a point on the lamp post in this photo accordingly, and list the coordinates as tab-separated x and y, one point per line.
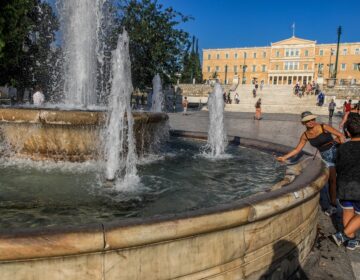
339	30
226	69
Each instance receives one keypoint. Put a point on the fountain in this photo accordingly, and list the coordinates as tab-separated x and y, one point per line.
120	145
157	102
216	141
187	217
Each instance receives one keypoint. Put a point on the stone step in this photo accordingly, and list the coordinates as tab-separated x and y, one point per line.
277	109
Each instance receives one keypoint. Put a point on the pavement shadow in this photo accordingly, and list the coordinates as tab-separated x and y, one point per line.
285	263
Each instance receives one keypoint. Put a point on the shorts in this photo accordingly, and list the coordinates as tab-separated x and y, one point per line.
329	156
350	204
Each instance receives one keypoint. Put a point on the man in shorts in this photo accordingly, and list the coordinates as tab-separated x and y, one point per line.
348	186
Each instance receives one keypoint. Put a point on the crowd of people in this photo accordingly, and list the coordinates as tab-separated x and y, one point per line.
306	89
340	151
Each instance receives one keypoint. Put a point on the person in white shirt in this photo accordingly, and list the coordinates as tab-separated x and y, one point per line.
38	96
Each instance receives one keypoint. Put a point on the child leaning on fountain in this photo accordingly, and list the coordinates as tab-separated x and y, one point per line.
348	186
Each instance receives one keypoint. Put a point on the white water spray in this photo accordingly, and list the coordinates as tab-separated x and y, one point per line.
120	144
217	139
81	29
157	103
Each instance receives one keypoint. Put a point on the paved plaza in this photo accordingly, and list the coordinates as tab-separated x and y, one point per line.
326	261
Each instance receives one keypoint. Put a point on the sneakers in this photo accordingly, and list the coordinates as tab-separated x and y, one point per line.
352	244
339	238
330	211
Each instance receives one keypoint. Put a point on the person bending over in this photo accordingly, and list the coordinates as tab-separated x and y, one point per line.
320	136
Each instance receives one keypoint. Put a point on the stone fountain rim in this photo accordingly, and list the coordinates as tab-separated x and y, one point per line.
267	146
22	244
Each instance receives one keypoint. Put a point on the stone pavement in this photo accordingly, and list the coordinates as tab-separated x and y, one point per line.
326	261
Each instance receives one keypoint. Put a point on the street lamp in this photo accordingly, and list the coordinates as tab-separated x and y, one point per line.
339	31
226	69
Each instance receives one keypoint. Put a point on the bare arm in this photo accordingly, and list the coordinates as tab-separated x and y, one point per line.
344	119
340	137
297	150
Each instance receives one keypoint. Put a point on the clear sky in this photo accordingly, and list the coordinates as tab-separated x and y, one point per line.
240	23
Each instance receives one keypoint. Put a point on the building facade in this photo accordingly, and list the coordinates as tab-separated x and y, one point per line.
283	63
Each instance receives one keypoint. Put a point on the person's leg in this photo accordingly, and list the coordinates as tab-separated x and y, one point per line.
348	214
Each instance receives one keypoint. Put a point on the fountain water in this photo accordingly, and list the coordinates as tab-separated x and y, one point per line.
81	28
217	140
157	103
120	145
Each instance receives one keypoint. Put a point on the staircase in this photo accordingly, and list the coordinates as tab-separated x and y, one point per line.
275	99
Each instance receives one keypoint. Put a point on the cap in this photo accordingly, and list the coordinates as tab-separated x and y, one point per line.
307	116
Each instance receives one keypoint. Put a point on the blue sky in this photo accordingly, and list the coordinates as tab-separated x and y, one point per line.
240	23
237	23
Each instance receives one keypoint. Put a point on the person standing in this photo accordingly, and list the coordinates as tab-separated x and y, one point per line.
254	92
38	96
320	136
185	105
258	110
237	98
332	106
348	187
261	85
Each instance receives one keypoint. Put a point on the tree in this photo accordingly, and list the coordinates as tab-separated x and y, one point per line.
29	55
156	45
191	64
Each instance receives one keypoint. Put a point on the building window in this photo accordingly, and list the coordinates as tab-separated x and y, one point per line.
291	65
297	52
356	66
263	68
306	53
226	55
321	52
245	55
277	67
209	69
209	56
254	54
357	51
235	69
217	68
343	66
345	51
217	56
254	68
277	54
305	67
236	55
264	54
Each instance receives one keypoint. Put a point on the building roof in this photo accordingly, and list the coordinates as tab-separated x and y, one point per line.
293	41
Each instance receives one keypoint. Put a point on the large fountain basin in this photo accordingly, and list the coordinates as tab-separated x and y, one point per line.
242	240
74	135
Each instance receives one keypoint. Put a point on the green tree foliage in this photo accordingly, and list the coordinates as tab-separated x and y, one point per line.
191	64
156	45
27	56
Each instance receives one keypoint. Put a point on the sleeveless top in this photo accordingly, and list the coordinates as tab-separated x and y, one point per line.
324	141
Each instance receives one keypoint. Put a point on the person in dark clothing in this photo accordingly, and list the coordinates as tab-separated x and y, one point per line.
320	136
254	92
348	116
332	106
348	186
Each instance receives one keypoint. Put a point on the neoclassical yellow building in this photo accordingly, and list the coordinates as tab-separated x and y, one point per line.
283	63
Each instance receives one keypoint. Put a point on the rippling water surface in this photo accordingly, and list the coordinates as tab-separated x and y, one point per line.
178	179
